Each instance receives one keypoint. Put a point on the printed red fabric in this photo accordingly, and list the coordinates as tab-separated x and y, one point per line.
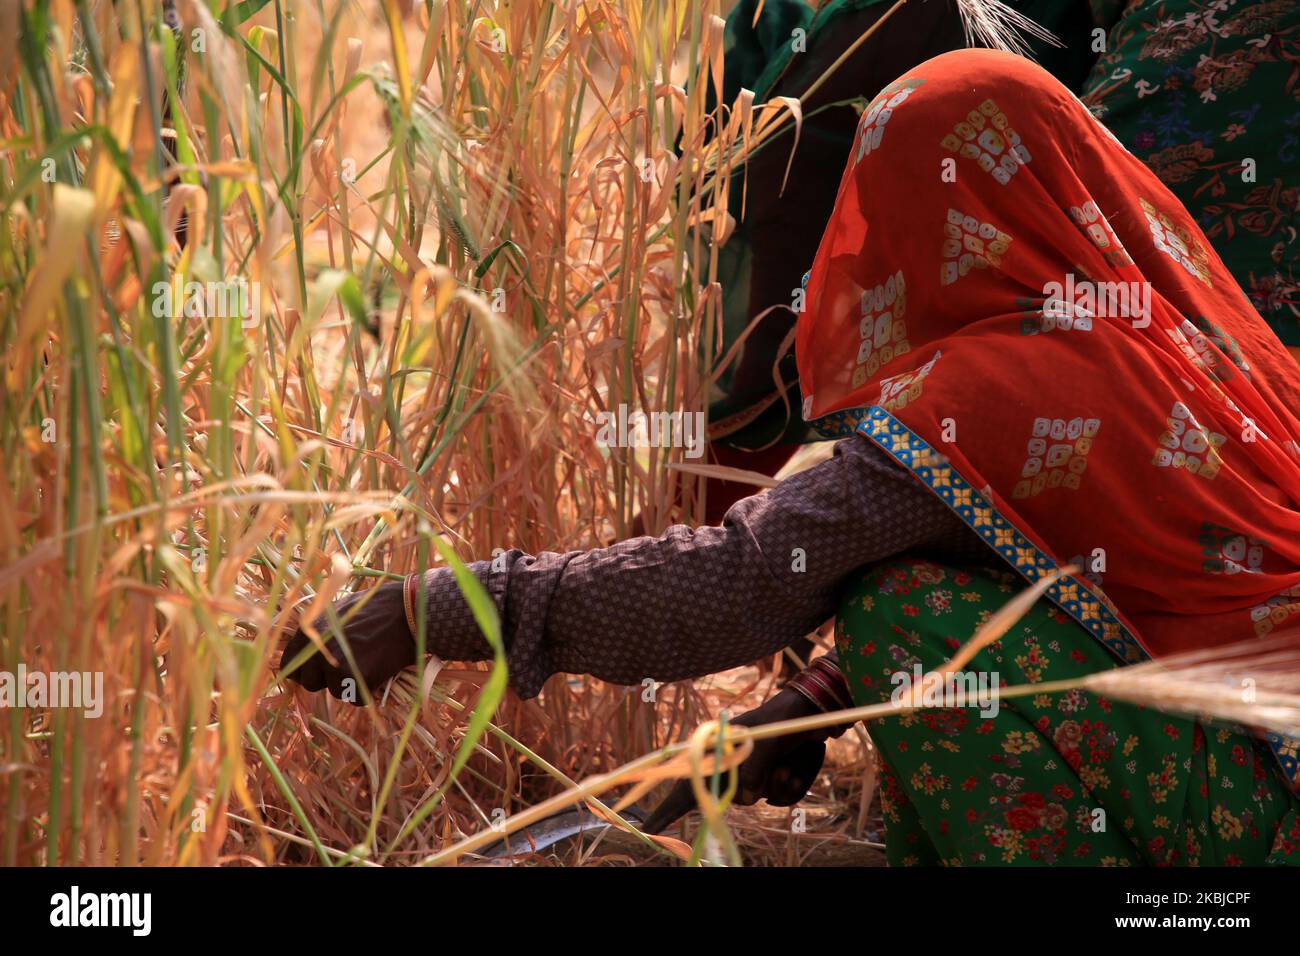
1024	295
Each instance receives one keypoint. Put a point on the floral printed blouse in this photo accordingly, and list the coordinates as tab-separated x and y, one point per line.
1207	93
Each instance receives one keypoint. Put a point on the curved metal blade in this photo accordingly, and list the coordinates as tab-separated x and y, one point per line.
553	829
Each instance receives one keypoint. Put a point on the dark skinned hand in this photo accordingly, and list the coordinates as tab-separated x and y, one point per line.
780	769
374	624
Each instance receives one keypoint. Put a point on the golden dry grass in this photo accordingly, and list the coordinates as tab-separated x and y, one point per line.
472	233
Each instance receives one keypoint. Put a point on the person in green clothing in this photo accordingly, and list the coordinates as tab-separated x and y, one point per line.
1207	94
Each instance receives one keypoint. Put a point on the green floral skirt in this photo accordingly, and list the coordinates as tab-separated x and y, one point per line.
1051	779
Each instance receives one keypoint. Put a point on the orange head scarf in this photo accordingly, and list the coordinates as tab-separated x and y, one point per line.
1016	309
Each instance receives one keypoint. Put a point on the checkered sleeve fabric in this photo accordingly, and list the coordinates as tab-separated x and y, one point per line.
699	600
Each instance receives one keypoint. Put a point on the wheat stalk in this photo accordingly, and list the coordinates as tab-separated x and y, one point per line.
993	24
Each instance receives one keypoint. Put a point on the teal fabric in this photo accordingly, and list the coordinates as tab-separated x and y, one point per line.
1198	89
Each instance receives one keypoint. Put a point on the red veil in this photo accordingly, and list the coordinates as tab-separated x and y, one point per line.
1017	309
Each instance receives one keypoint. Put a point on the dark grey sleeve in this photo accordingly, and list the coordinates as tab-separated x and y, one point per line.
695	601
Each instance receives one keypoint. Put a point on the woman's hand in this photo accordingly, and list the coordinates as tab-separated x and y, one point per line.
780	769
378	637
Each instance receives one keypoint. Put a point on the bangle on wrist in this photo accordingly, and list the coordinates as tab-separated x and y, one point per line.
410	591
824	685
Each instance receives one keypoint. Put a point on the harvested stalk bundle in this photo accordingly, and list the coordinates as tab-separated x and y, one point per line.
1255	684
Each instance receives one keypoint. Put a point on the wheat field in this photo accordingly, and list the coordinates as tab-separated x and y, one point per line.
299	296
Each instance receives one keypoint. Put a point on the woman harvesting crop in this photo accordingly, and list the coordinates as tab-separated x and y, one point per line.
993	432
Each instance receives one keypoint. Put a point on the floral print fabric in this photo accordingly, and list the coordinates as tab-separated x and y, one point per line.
1206	93
1052	779
1047	325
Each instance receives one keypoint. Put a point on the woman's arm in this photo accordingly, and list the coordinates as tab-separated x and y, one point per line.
693	601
